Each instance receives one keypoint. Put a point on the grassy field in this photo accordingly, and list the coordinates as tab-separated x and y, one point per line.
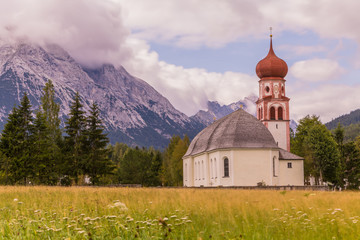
152	213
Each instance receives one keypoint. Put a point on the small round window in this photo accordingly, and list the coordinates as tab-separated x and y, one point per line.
267	89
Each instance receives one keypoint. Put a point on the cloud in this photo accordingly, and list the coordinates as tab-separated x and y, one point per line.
327	101
91	31
316	70
193	23
188	89
301	50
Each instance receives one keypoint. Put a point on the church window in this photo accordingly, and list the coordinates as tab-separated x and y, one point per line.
277	126
272	113
211	169
267	89
198	171
226	167
280	113
274	165
289	165
195	168
259	114
202	170
215	170
185	172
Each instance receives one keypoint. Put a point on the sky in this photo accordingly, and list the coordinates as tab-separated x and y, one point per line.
193	51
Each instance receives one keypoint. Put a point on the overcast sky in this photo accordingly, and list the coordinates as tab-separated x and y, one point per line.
193	51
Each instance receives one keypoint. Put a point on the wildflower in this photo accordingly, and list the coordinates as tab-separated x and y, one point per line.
15	200
355	221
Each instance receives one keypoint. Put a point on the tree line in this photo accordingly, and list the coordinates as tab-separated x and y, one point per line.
35	150
328	157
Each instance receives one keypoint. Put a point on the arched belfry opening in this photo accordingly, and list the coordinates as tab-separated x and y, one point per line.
280	113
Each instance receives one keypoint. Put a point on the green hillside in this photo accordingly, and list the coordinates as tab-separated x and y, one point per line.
350	122
345	120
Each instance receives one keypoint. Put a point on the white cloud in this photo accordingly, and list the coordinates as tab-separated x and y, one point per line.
91	30
316	70
192	23
301	50
188	89
327	101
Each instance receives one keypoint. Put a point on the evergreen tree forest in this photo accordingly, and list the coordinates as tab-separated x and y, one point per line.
328	157
35	150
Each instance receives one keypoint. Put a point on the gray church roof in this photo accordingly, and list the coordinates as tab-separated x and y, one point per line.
236	130
285	155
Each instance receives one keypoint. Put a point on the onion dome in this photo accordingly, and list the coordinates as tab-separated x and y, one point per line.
236	130
271	66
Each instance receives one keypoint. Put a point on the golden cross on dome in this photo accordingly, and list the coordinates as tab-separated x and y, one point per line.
270	31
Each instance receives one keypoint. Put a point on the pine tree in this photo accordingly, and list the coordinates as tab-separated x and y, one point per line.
75	139
17	143
98	162
49	135
50	111
166	177
9	145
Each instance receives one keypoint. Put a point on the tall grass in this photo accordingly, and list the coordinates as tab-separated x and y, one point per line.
152	213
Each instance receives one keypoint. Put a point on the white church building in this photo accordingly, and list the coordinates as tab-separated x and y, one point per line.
242	150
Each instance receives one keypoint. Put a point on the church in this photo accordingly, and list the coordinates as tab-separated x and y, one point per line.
242	150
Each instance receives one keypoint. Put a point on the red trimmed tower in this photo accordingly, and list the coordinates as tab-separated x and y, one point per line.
273	105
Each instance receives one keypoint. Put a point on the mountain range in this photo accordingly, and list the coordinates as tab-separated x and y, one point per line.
132	111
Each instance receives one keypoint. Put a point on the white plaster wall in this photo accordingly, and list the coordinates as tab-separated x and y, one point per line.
253	166
291	176
188	171
279	133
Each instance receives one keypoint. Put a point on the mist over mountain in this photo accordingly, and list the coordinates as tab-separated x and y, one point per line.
132	111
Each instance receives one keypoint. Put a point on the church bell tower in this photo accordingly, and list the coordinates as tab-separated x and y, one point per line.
273	105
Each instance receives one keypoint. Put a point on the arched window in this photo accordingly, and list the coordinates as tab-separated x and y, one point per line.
215	168
195	173
272	113
199	167
259	114
226	167
274	162
280	113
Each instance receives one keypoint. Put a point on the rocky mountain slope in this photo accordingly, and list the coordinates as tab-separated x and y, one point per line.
216	111
132	111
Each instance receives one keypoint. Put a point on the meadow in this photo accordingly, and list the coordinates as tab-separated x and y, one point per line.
157	213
